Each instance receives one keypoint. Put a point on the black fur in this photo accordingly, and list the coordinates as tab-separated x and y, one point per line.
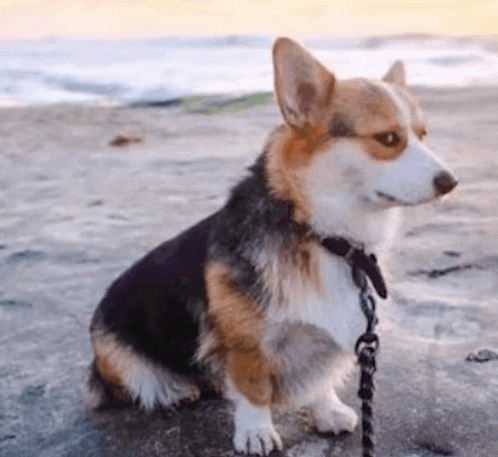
156	305
253	221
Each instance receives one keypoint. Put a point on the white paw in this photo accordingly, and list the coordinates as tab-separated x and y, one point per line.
254	430
259	441
336	419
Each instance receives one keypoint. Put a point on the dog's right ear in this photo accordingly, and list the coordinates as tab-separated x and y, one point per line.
396	74
303	86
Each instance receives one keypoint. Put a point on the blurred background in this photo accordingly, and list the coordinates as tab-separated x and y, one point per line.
91	50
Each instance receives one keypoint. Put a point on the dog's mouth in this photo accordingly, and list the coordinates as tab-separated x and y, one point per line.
398	202
385	196
392	199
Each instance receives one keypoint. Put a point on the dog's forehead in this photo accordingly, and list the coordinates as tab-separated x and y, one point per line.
412	104
373	106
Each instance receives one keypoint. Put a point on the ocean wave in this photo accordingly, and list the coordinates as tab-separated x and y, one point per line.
376	42
73	85
163	68
449	61
253	41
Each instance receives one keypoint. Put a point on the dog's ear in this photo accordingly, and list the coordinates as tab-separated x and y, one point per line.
396	74
303	86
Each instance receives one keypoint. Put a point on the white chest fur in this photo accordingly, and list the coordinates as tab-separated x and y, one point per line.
334	307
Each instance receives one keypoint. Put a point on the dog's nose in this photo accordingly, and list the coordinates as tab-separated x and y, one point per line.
444	182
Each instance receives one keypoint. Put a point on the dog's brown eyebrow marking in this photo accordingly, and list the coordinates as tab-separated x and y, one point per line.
341	126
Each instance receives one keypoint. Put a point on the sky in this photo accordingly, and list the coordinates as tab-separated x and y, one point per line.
297	18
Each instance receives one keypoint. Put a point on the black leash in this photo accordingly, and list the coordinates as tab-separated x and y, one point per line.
366	348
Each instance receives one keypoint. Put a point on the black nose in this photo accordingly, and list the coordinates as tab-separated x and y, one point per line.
444	182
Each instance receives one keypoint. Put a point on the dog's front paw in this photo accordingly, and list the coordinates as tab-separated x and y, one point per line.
335	418
258	441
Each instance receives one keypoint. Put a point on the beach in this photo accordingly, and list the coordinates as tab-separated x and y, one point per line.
87	189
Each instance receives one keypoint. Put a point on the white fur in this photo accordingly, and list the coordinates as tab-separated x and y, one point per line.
254	430
333	308
154	385
146	382
409	179
332	415
340	188
350	192
345	187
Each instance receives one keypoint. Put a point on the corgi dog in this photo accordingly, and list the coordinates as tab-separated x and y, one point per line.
250	302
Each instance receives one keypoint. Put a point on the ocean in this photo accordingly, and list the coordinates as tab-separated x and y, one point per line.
57	70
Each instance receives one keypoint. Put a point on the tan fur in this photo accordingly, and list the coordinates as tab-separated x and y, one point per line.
111	360
305	258
370	110
288	153
418	122
130	377
238	327
396	75
309	99
312	85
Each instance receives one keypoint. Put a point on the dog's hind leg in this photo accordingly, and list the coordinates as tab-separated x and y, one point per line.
120	375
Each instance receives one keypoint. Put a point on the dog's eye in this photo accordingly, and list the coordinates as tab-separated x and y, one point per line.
389	139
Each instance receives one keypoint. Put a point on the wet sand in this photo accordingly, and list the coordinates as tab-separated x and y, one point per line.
76	211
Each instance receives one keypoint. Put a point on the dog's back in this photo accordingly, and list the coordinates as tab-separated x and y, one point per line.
150	317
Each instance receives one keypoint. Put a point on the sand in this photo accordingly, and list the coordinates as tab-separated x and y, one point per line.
76	211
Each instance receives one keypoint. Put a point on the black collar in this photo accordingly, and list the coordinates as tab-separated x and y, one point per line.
357	258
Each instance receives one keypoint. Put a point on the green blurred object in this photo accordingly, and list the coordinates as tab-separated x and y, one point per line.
214	104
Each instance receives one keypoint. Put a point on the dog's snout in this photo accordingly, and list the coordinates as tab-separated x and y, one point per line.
444	182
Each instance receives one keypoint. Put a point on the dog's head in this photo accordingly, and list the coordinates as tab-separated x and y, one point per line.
356	139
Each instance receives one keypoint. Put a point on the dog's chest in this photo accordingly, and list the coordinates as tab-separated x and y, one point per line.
333	307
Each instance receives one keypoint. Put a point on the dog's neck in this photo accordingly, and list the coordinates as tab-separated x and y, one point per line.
358	259
347	218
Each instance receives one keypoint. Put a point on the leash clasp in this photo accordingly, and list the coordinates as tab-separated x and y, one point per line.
367	340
